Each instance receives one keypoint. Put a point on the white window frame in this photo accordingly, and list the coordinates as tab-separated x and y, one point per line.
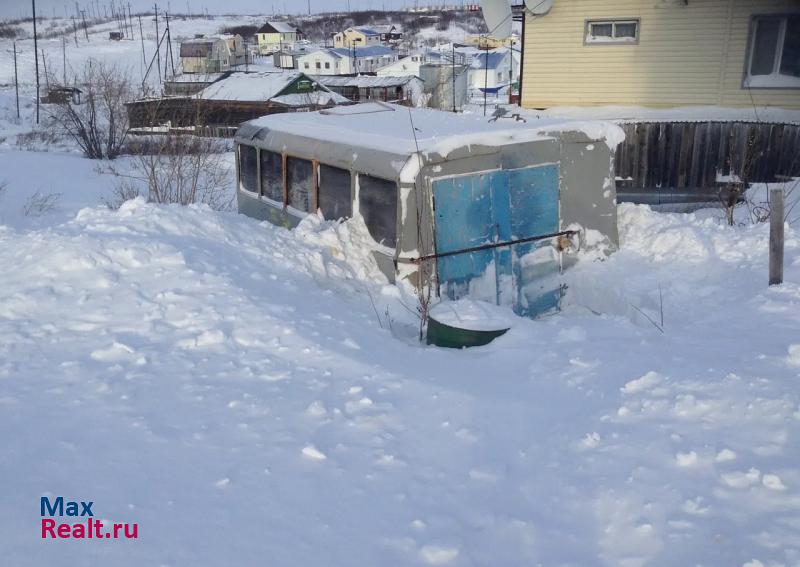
747	78
588	39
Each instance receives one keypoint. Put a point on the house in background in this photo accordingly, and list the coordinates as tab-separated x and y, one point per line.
408	65
407	90
358	36
489	42
287	58
391	34
218	109
350	61
204	55
237	47
491	71
445	80
186	84
701	88
273	36
445	86
663	53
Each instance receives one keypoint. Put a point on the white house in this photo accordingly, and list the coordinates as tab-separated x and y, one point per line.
491	71
346	61
410	64
236	46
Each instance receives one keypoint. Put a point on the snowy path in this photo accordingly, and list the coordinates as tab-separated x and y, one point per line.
226	385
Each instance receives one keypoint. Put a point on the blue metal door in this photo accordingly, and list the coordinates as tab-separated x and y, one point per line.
534	204
499	206
464	219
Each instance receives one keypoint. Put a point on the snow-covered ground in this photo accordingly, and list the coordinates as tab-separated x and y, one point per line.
127	54
248	393
254	396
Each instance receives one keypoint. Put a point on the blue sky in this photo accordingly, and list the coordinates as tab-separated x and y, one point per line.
46	8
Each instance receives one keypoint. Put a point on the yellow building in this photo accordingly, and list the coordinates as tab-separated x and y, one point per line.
663	53
489	42
275	36
358	37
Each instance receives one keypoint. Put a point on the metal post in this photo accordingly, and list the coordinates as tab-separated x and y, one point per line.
169	49
16	78
141	34
46	75
158	44
64	58
775	236
36	57
521	56
130	19
453	71
486	78
85	29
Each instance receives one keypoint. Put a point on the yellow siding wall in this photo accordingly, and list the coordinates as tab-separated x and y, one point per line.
687	54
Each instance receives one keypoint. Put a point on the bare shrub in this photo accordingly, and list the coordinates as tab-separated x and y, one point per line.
124	190
176	169
40	204
8	31
759	209
792	197
98	122
244	30
39	139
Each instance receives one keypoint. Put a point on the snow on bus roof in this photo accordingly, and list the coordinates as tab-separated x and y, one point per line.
388	127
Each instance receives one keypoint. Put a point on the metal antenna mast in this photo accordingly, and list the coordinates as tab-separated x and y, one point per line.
36	57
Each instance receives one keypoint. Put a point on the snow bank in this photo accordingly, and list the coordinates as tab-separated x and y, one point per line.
239	390
473	315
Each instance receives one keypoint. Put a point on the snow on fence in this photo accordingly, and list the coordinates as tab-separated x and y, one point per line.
699	158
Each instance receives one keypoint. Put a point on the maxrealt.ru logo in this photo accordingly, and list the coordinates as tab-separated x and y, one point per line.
85	528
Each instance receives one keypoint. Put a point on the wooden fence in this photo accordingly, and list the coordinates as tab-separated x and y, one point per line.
691	157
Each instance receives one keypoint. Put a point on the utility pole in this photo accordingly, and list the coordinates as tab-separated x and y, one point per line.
169	48
75	30
141	34
46	75
130	20
36	57
16	78
158	43
64	57
85	29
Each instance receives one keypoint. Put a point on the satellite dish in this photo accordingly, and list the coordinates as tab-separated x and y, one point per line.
497	14
539	7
